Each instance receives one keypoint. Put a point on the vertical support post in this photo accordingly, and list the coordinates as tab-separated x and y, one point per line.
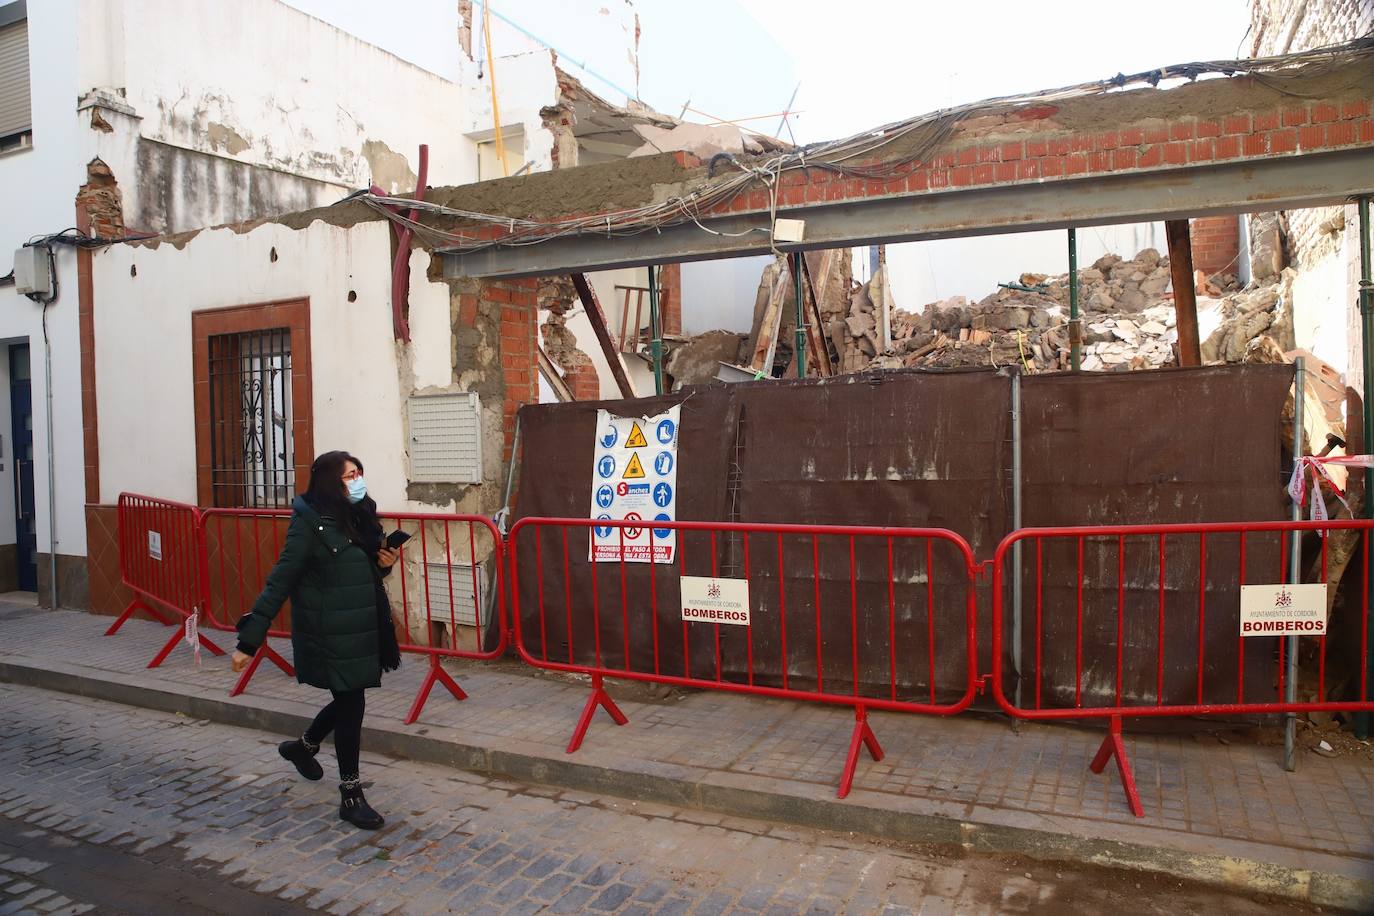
1367	359
1075	326
1185	295
800	350
656	328
1016	583
1290	674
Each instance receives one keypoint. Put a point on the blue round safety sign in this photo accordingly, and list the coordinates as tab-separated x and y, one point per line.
666	430
606	466
603	531
604	496
609	437
663	463
663	494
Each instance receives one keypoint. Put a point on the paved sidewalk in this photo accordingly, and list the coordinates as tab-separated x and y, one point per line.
1221	812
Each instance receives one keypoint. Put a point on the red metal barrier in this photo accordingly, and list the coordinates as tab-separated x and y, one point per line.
1145	621
855	616
159	562
444	606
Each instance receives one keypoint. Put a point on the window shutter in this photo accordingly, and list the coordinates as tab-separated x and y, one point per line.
446	438
14	79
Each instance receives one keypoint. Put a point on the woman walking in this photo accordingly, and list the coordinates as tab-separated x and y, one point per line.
331	567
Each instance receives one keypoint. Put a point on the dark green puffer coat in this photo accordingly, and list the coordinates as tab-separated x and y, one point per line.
333	590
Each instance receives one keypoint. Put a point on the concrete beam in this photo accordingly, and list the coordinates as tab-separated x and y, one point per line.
1306	180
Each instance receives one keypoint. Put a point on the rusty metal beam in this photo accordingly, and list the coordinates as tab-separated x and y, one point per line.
1185	293
603	336
1276	183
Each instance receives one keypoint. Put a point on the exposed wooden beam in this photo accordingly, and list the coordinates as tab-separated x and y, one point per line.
603	336
1185	295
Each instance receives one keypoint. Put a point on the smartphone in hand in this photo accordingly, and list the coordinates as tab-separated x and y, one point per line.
396	538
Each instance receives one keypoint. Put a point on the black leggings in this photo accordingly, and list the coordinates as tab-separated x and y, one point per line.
344	717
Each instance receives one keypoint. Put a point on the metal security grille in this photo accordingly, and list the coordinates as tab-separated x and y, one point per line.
253	455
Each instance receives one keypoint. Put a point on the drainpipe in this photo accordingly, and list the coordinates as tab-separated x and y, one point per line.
1290	661
656	330
1075	329
1367	358
52	463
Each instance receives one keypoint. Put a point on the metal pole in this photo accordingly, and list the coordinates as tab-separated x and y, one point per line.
1367	358
1016	584
1075	329
656	330
801	318
503	516
1290	674
52	469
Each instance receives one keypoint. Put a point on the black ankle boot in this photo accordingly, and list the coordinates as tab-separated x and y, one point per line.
302	757
353	807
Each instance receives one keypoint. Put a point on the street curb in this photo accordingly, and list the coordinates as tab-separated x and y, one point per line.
1327	888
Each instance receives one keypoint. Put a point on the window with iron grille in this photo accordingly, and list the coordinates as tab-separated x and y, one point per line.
252	449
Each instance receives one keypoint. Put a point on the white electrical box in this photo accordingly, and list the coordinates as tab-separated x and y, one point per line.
445	438
789	230
33	272
454	593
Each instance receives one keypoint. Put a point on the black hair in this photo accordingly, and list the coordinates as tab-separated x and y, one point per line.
328	494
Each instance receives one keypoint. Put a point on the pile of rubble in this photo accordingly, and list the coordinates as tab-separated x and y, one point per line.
1127	321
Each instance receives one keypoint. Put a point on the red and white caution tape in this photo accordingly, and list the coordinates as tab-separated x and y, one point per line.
1316	467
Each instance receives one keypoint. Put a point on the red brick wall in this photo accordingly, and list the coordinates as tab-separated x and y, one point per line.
1300	127
518	301
583	381
1216	244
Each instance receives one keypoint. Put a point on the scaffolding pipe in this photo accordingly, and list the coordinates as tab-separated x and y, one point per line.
800	336
656	330
1075	329
1290	662
1367	358
1016	584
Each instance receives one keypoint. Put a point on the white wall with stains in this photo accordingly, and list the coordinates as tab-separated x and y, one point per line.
357	405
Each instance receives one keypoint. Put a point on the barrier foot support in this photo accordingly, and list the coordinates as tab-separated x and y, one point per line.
177	637
863	735
267	652
436	673
1113	746
129	612
600	698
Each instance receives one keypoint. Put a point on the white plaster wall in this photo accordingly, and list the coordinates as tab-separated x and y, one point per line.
147	436
40	185
265	84
525	83
719	295
1319	311
924	272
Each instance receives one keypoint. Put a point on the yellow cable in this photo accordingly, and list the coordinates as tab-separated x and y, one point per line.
491	76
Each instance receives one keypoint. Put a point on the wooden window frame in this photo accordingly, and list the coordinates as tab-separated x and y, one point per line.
292	314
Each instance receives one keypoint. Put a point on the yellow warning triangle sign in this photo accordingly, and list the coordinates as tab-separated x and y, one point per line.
635	469
636	440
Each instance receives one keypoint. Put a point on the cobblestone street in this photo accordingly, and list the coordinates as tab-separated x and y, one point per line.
110	809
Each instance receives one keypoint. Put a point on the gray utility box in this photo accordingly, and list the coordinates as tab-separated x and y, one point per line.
33	272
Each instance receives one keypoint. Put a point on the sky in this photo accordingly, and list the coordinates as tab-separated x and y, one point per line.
864	63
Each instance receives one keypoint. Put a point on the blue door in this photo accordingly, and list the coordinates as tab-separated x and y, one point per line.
21	419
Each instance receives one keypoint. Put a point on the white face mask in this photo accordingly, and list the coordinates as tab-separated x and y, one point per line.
357	489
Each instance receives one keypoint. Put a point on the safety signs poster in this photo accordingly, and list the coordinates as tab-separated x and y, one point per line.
634	478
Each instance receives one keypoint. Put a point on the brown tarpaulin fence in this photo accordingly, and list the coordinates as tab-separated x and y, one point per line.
918	449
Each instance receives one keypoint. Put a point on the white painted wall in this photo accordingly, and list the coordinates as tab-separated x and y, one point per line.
41	183
304	97
358	404
719	295
1320	312
924	272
